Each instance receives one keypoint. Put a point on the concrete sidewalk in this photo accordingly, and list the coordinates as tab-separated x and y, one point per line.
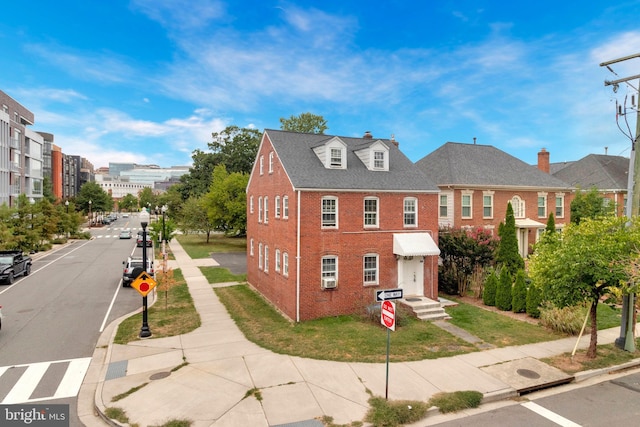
225	380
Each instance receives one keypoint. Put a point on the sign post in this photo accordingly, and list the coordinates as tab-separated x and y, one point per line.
388	319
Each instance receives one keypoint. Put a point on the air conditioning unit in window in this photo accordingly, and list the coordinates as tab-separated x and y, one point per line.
329	283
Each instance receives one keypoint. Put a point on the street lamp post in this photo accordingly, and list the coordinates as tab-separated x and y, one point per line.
145	332
90	213
66	203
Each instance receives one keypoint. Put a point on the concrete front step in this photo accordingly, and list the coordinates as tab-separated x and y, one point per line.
425	308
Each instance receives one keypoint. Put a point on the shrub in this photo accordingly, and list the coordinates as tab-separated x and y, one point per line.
385	413
503	292
519	298
566	320
456	401
534	299
489	291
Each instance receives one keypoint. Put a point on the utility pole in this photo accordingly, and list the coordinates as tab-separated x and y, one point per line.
626	339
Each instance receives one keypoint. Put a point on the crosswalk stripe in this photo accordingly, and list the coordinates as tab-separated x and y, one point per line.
73	378
69	385
27	383
551	416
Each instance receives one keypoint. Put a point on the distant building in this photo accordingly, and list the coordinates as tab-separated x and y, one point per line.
21	153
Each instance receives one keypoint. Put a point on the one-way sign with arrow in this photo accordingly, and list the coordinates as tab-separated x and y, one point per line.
388	294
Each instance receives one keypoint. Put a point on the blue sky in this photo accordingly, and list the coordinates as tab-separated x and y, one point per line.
147	81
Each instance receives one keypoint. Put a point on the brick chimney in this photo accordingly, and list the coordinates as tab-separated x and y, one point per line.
543	161
367	135
393	140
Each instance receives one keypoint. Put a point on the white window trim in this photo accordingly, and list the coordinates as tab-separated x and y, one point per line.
519	207
261	165
251	205
333	275
542	196
277	202
561	196
271	162
377	270
260	209
487	194
266	209
446	205
251	247
285	264
462	206
377	213
277	260
266	258
322	213
285	207
415	211
260	256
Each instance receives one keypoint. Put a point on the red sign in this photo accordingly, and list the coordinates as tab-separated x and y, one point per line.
388	315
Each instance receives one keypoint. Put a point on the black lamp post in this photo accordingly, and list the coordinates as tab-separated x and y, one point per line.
66	203
164	231
89	213
145	332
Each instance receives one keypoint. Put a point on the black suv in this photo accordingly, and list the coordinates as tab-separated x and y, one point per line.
133	268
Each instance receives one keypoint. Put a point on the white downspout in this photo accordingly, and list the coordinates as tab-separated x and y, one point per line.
298	260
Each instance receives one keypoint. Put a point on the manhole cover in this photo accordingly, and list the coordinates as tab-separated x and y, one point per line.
413	299
159	375
528	373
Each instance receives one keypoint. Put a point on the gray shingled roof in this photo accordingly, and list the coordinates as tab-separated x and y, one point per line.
483	165
596	170
295	152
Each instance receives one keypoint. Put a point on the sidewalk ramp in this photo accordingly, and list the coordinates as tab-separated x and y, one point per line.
528	375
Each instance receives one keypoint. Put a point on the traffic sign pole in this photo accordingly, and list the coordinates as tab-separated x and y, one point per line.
388	319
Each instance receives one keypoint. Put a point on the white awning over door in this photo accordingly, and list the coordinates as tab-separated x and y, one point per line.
414	244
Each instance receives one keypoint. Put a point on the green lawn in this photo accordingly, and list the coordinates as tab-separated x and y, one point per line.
197	247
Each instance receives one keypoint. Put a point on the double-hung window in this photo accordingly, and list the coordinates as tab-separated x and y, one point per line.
330	267
329	212
542	206
487	206
370	212
277	206
443	206
285	207
466	206
370	269
410	212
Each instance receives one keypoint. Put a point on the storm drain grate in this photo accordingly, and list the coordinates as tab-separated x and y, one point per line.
116	370
159	375
528	373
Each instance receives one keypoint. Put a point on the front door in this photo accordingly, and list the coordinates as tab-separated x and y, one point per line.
411	275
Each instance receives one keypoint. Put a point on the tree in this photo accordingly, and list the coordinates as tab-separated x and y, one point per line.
196	183
551	224
128	203
194	218
226	201
588	261
507	254
519	298
503	292
490	288
305	123
100	199
534	299
463	253
588	204
147	199
236	148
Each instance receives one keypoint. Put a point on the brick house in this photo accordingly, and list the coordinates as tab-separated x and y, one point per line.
609	174
332	219
477	181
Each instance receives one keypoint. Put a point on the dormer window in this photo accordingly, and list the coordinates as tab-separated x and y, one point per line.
332	153
374	155
378	159
336	158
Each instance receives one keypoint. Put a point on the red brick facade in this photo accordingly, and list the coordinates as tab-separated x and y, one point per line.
300	235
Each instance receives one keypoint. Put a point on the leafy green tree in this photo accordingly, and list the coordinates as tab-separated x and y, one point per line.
236	148
590	260
588	204
519	299
490	288
504	294
129	203
101	201
196	183
507	254
226	201
146	199
305	122
194	217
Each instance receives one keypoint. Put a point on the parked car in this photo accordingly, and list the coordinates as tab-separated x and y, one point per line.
125	234
13	264
106	220
133	268
125	215
139	240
